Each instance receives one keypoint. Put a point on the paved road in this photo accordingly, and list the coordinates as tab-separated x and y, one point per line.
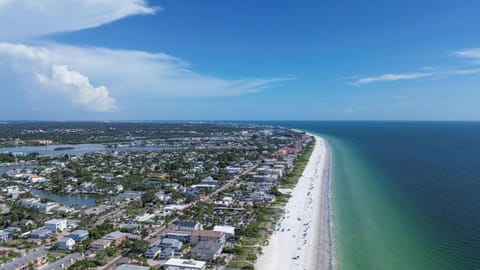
162	231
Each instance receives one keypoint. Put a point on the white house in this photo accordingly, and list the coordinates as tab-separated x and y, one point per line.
36	179
66	243
119	188
228	230
56	225
47	207
180	264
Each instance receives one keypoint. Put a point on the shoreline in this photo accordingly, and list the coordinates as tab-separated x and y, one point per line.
303	237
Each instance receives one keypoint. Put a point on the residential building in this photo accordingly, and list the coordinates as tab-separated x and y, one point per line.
132	267
36	179
100	244
87	187
13	230
64	263
202	235
228	230
56	225
35	259
41	233
188	226
209	181
207	250
48	207
66	243
153	252
181	264
166	253
116	237
5	236
79	235
233	170
183	237
175	244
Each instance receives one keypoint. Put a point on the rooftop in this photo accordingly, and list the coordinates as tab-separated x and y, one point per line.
55	221
207	246
187	223
63	262
225	229
79	232
16	263
114	235
132	267
204	233
101	242
185	263
64	239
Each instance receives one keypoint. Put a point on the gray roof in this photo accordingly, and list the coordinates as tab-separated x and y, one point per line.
132	267
64	239
207	247
114	235
153	249
42	230
64	262
170	242
187	223
18	262
79	232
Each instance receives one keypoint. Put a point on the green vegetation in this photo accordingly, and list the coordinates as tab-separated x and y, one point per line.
101	230
18	213
87	264
291	179
10	255
11	158
138	246
259	230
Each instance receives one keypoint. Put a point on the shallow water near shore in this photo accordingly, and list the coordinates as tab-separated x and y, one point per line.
405	195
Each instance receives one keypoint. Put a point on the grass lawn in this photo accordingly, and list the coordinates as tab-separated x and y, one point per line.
11	255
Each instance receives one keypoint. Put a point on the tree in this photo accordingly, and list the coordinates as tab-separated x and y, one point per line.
148	196
139	246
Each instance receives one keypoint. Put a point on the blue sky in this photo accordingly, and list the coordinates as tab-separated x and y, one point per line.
239	60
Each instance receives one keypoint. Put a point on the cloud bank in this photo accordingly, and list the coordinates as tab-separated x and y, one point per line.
21	19
68	70
46	77
96	79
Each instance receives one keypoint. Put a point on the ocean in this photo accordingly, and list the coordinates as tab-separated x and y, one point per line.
406	195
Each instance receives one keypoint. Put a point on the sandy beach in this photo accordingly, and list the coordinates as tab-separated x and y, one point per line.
303	236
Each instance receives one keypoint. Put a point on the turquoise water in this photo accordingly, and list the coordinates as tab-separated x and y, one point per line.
406	195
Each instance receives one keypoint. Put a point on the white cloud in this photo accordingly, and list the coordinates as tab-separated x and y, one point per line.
21	19
69	70
391	78
410	76
79	89
37	66
90	78
152	75
473	54
427	71
465	71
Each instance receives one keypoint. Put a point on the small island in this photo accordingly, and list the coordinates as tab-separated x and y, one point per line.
63	148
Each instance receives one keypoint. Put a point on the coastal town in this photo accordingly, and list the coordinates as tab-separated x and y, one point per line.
138	196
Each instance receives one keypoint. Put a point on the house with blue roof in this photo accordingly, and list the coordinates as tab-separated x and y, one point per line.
79	235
